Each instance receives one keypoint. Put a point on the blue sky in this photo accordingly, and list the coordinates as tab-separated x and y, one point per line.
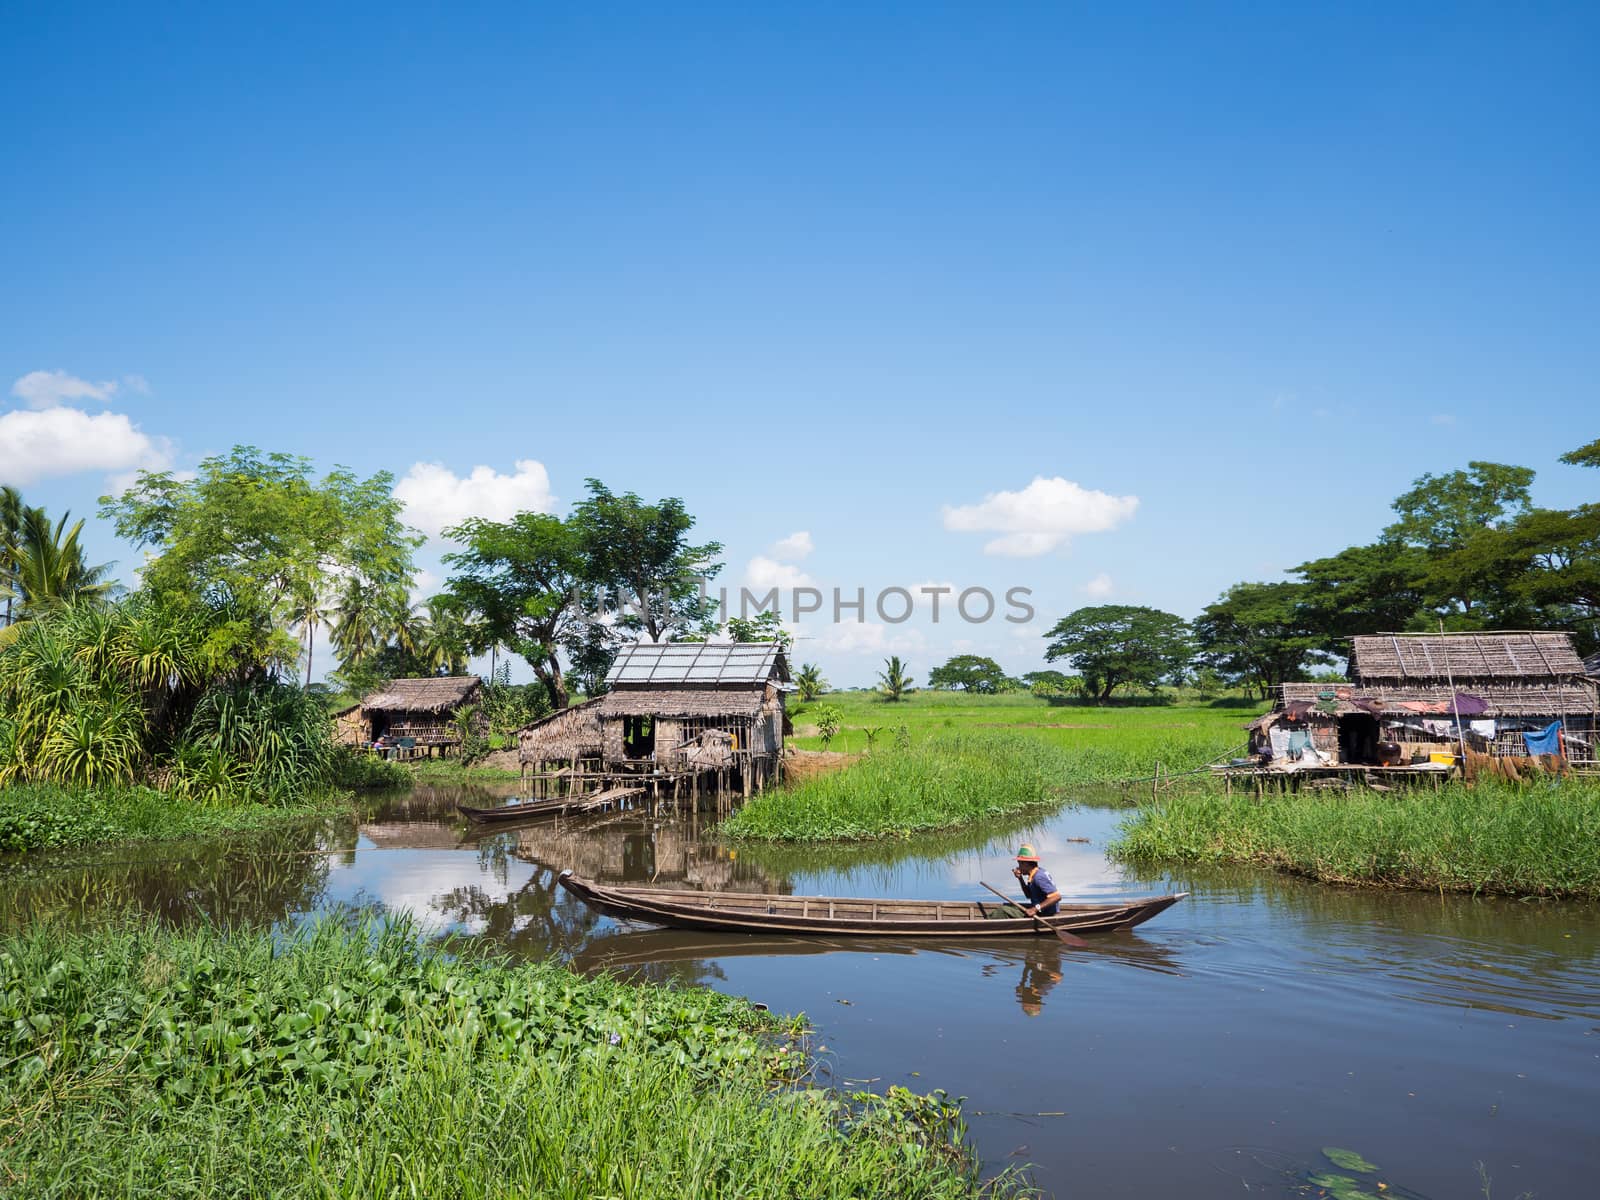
829	271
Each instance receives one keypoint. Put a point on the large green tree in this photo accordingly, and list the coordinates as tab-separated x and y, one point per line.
639	556
1364	589
1255	634
527	582
1115	644
969	673
260	537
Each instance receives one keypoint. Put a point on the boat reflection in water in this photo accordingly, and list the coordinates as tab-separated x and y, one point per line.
685	957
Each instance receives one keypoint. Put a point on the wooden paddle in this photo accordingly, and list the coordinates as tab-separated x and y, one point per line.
1067	939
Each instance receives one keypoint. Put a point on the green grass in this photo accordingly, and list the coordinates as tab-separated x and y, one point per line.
937	784
450	770
1103	744
139	1061
46	815
1542	840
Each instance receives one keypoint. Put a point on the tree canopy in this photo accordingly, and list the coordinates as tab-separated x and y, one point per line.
1112	645
639	555
969	673
257	536
1255	635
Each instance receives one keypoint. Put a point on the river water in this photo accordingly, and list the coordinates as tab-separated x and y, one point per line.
1211	1053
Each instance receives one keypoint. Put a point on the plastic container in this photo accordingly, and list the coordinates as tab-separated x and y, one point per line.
1442	758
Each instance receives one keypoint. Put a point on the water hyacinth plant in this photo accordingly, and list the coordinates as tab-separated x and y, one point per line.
361	1062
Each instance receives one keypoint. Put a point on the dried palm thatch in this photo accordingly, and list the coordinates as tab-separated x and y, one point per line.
571	733
1464	657
433	696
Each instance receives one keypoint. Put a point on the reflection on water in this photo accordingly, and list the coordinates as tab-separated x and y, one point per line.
1431	1032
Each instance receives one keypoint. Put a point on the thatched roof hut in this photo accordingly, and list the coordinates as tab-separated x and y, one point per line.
420	709
697	706
569	734
432	696
1414	694
1509	659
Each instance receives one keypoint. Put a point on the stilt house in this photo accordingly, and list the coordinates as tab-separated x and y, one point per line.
1416	696
675	712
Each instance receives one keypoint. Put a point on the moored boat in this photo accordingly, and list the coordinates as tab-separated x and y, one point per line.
753	912
515	812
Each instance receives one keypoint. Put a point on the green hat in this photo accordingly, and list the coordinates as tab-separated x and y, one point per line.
1027	852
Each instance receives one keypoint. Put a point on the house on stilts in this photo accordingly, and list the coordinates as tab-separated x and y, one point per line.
678	719
413	716
1433	703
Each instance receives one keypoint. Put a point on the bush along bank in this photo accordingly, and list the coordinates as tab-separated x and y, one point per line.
358	1062
1490	838
45	816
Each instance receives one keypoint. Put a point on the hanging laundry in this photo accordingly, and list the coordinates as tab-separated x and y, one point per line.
1546	741
1470	706
1444	729
1299	742
1484	729
1280	743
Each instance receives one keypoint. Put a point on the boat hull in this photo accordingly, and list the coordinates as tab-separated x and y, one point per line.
740	912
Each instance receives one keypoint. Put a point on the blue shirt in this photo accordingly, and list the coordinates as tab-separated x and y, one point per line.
1036	887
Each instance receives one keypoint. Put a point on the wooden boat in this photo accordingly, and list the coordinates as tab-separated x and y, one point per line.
750	912
560	806
516	812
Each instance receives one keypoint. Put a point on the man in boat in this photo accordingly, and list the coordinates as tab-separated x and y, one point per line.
1037	886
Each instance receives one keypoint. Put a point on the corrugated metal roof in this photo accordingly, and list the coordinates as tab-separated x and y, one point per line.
713	664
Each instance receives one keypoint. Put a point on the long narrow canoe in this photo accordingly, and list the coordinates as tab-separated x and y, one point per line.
516	812
560	806
748	912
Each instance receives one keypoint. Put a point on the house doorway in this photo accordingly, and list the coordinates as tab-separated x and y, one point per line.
638	736
1358	738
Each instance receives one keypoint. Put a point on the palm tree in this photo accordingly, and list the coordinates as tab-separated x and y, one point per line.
361	617
11	513
810	681
47	567
445	638
309	610
895	680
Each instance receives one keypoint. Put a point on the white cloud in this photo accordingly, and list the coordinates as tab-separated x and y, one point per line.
1443	418
792	548
423	583
437	498
869	637
763	573
63	441
137	383
1041	517
46	389
1099	587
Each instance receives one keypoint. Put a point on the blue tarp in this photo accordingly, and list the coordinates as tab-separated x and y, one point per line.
1546	741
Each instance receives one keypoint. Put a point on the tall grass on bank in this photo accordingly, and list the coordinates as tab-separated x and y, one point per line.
41	816
938	784
145	1062
1488	838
